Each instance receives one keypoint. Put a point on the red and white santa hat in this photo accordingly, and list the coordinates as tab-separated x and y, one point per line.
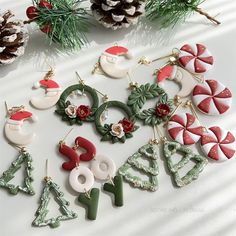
18	117
116	51
166	72
49	84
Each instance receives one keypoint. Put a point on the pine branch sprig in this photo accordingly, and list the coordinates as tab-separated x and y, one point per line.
67	22
171	12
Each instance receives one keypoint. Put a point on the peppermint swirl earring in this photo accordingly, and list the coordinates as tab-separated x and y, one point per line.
117	132
77	114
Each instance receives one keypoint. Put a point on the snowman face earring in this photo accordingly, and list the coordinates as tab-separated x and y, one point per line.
109	62
14	123
52	92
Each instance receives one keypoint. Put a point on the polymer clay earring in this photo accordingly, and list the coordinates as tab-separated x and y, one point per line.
24	159
52	92
42	211
14	123
212	97
185	127
77	114
104	168
109	62
115	132
155	115
148	152
170	149
71	152
88	196
218	144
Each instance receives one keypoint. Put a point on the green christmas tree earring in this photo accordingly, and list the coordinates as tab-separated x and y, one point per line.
149	152
42	211
170	148
25	159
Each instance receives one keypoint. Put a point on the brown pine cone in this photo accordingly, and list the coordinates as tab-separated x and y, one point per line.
13	38
117	14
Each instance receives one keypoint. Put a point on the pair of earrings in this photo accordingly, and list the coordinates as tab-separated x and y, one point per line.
149	152
101	168
114	132
216	142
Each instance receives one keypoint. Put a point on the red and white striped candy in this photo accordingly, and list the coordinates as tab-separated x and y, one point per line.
218	144
212	97
196	58
184	128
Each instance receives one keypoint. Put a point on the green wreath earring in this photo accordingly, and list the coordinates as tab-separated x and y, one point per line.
115	132
78	114
155	115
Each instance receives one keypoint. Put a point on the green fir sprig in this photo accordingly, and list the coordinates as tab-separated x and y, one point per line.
171	12
67	21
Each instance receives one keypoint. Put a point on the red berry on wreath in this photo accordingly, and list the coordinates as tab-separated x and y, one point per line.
83	112
162	110
128	125
46	29
45	4
32	12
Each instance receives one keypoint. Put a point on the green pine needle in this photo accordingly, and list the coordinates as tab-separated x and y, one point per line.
171	12
67	20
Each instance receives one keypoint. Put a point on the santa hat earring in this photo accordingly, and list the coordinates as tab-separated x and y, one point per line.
52	92
108	63
16	117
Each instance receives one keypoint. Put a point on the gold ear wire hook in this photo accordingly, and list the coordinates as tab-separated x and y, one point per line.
47	178
132	85
111	180
189	103
7	109
21	149
81	81
67	134
87	193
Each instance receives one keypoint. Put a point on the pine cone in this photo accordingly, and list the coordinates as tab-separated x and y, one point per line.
13	38
117	14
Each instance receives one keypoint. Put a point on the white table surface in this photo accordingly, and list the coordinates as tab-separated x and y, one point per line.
206	207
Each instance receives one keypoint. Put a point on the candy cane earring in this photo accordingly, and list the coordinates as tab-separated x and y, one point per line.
109	62
52	89
14	123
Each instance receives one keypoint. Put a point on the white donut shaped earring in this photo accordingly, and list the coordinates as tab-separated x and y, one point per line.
14	123
81	171
103	167
109	62
52	92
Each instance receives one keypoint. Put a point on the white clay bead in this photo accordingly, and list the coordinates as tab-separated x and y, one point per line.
74	179
99	172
